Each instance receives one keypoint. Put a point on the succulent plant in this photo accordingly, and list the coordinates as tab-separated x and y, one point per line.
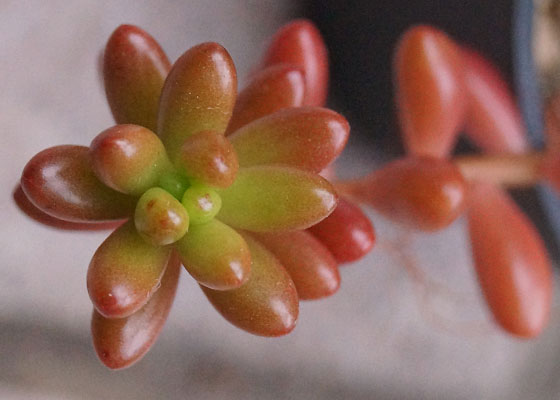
195	174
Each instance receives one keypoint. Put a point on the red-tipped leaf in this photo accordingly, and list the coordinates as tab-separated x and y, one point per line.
134	69
309	138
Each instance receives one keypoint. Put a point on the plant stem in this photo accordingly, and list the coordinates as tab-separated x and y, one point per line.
509	170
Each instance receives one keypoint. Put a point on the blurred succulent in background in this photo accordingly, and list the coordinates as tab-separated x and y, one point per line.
225	184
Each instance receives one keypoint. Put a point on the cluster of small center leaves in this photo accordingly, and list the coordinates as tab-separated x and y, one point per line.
133	160
163	213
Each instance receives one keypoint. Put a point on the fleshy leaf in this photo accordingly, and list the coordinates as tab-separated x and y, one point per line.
267	305
347	232
310	264
202	203
420	192
60	182
208	157
305	137
26	206
198	95
124	272
160	218
215	255
300	43
134	69
121	342
493	119
272	89
128	158
511	262
430	94
274	198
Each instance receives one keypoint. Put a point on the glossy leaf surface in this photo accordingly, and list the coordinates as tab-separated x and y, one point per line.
493	120
160	218
202	203
272	89
215	255
267	305
198	95
347	232
121	342
299	43
128	158
272	198
60	182
134	69
124	272
310	264
430	94
27	207
208	157
511	262
306	137
421	192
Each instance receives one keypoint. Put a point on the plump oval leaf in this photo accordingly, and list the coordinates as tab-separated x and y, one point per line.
208	157
198	95
347	232
300	43
493	120
121	342
134	69
60	182
274	198
420	192
160	218
310	264
271	89
215	255
128	158
26	206
267	305
511	262
202	203
124	272
430	94
305	137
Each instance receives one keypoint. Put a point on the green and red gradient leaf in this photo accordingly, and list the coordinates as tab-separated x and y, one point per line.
430	91
272	89
267	305
124	272
347	232
198	95
310	264
60	182
309	138
134	69
300	43
276	198
128	158
511	262
215	255
208	157
121	342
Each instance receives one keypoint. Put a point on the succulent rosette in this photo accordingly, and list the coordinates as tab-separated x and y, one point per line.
226	184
